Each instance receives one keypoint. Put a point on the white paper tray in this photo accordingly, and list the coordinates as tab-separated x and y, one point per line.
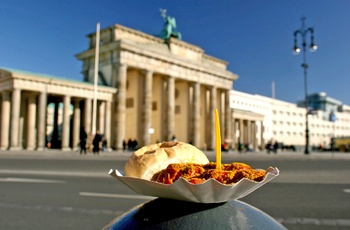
210	191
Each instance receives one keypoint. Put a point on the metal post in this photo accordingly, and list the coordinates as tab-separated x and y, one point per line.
307	135
303	32
94	102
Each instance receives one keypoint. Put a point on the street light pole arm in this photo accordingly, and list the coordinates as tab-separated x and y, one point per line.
311	30
296	33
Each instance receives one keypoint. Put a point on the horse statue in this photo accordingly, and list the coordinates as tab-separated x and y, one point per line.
169	28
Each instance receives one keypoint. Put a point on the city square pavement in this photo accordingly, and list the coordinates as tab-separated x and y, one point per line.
311	191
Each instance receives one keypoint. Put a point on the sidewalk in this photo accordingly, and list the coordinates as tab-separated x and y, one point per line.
56	153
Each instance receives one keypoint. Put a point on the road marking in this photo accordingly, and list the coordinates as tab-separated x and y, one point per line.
55	173
29	180
66	209
118	196
287	177
314	221
346	190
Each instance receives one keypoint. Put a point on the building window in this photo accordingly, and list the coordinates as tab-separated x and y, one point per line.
177	93
154	106
177	109
129	102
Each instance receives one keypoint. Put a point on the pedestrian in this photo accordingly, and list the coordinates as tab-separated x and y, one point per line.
275	147
134	144
240	147
269	147
129	144
96	142
104	144
82	137
124	145
173	138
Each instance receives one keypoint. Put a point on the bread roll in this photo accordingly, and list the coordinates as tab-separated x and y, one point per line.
148	160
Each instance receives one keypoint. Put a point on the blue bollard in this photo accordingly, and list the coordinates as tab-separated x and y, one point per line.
174	214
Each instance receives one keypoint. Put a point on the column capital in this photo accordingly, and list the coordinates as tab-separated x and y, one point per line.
147	71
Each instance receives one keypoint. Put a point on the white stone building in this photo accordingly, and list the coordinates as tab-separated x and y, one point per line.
284	122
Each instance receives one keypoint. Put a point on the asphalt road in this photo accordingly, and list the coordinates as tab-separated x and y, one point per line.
63	190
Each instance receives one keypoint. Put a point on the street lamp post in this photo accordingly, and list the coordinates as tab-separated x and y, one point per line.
303	31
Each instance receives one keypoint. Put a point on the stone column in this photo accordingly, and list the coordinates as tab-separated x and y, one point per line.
42	121
23	115
87	115
113	123
76	124
241	131
234	137
5	120
31	117
262	140
101	117
196	115
254	132
65	124
121	99
108	120
212	117
228	117
87	122
147	108
249	132
171	108
15	110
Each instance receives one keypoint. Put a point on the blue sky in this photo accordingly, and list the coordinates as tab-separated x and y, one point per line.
254	36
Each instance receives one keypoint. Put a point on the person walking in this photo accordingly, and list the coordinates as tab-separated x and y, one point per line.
82	137
96	143
124	145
